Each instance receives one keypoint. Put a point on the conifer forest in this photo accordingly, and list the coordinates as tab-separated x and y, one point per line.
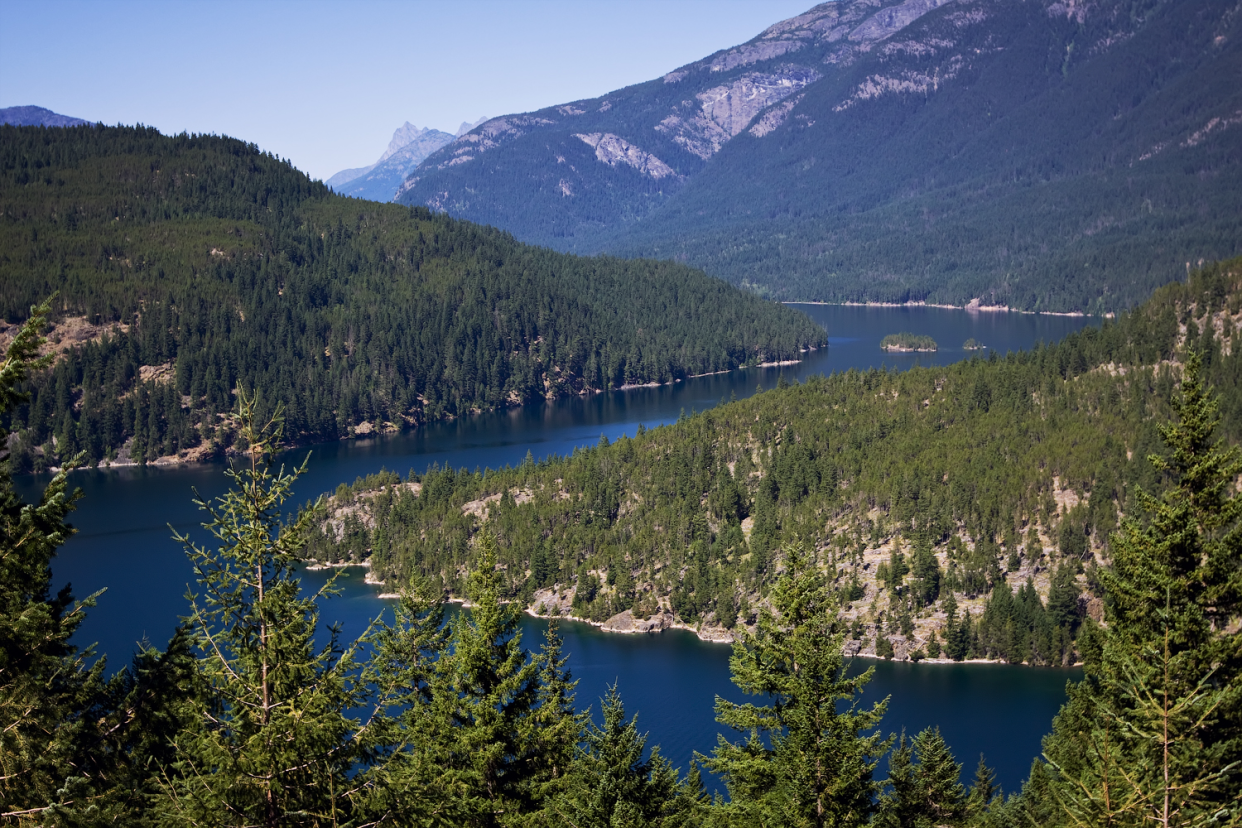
189	298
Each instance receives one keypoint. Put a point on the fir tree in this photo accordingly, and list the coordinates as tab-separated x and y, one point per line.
611	784
272	743
1152	735
48	689
807	760
408	781
74	749
487	692
924	790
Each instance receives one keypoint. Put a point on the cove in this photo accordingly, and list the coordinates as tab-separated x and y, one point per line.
123	543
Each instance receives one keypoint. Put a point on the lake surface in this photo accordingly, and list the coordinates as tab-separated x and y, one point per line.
123	544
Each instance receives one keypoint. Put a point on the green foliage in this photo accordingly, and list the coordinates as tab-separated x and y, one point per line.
272	741
223	267
925	790
807	760
1152	735
952	458
611	783
75	748
907	342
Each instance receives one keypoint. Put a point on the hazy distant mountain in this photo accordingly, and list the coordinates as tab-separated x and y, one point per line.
466	126
36	116
408	147
1054	154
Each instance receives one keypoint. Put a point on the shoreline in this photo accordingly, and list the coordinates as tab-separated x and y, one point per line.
972	307
710	635
171	461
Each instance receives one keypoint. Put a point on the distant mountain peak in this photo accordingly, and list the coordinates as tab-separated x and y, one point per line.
37	116
403	136
466	126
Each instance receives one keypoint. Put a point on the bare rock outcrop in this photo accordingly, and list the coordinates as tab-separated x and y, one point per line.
704	125
613	150
625	622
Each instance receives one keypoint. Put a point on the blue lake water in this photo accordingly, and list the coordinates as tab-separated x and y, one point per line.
127	516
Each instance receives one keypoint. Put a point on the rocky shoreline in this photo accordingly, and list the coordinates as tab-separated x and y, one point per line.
555	605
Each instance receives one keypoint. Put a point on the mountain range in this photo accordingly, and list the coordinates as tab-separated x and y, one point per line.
1058	156
407	149
36	116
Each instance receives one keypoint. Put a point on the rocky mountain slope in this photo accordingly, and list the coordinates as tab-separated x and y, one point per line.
379	182
1045	155
36	116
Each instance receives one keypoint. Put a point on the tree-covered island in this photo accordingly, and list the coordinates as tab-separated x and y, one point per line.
907	342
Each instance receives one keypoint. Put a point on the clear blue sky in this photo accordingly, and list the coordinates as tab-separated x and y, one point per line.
326	83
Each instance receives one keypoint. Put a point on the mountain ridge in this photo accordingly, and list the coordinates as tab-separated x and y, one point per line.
1045	156
187	267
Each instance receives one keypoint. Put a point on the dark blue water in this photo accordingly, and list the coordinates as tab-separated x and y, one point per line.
124	544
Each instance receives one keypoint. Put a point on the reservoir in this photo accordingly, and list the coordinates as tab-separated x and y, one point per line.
670	680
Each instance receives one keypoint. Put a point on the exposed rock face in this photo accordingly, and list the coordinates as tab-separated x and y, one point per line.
753	86
724	111
404	136
466	126
625	622
36	116
774	117
552	602
613	150
407	149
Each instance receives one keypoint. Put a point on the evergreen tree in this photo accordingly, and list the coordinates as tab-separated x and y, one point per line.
408	781
48	689
487	691
806	761
1152	735
271	743
983	790
610	783
924	787
555	721
74	749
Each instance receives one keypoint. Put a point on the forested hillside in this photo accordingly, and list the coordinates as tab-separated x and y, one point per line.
1044	155
255	714
962	511
187	267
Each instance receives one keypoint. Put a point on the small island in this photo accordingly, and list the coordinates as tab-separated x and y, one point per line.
907	342
973	344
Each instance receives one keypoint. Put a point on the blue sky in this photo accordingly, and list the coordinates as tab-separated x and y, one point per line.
326	83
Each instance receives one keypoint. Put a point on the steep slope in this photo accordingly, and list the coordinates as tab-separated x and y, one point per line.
379	182
995	481
1043	155
189	267
36	116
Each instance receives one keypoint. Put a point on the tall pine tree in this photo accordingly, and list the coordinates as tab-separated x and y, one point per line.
272	743
808	760
1152	736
